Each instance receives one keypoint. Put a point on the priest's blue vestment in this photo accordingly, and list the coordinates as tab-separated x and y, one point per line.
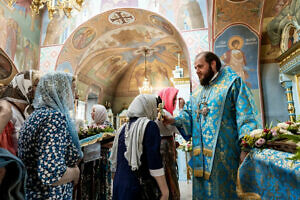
218	116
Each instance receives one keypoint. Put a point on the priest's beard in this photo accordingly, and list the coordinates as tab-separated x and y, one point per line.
207	77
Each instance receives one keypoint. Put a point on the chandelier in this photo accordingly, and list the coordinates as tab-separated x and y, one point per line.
146	88
53	6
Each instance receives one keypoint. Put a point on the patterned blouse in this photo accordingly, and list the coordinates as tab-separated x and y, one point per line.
46	148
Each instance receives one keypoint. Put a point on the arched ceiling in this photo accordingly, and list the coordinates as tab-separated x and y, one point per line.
107	51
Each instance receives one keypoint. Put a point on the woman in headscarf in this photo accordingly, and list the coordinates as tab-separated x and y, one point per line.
48	142
99	114
167	146
19	94
101	167
135	153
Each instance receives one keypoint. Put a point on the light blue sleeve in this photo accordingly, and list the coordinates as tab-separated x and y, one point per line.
247	118
184	121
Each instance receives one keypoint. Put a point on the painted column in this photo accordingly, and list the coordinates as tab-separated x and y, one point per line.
288	86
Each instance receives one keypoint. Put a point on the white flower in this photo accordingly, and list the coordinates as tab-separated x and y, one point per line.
256	133
284	131
283	125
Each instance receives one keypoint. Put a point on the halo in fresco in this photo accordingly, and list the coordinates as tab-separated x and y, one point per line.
161	24
235	39
83	37
120	17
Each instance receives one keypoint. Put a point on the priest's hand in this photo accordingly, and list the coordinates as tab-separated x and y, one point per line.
168	120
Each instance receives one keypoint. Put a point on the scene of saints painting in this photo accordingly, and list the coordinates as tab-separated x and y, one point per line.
238	48
19	35
277	15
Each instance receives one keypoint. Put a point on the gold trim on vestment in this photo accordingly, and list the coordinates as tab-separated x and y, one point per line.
206	152
199	173
245	195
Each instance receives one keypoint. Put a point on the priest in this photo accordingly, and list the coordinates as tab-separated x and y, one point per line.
220	112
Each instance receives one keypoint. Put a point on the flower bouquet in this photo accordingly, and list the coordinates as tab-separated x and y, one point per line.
284	137
91	130
186	146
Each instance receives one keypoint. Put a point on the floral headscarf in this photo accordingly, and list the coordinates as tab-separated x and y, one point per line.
55	90
100	114
167	95
20	89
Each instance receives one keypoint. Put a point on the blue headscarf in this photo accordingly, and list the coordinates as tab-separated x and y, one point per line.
55	90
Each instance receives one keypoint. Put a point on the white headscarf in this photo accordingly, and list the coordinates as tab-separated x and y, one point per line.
20	89
100	114
144	107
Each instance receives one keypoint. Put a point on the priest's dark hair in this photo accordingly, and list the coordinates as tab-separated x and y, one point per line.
209	57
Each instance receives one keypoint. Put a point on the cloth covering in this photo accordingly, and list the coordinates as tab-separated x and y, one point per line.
144	107
167	95
100	114
20	90
55	91
13	185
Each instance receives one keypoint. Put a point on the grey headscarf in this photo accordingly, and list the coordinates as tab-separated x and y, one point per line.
144	107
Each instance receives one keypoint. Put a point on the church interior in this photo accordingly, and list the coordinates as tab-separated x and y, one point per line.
117	49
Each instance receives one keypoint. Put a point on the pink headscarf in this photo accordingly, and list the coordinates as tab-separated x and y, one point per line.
167	95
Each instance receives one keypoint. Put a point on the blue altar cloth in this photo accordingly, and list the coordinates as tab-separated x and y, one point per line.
269	175
95	138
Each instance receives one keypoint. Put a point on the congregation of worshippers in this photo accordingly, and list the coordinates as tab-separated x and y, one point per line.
136	100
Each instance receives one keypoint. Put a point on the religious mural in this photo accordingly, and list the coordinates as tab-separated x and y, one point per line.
227	12
83	37
57	30
185	15
110	58
19	34
238	47
277	14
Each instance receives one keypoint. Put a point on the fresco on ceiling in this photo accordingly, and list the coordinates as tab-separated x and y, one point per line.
19	35
226	13
238	47
157	73
111	67
83	37
161	23
110	59
184	14
57	30
197	41
277	14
